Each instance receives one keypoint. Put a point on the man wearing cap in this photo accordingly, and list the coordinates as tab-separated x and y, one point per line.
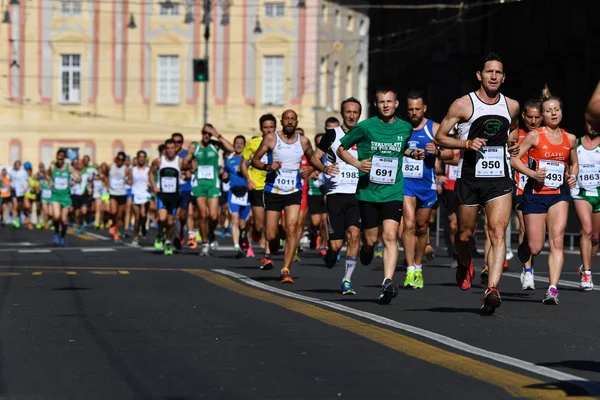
31	194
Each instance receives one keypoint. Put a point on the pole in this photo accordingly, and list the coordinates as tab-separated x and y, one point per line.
206	38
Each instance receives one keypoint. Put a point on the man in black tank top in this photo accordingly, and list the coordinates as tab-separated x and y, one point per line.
488	127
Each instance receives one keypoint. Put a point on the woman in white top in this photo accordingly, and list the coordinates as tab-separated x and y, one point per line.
138	179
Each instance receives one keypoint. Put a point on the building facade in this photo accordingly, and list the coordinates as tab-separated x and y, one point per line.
100	76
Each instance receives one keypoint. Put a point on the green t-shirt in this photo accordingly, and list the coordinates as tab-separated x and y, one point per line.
314	186
62	182
208	164
384	144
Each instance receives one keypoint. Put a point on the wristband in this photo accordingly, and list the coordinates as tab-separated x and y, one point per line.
412	153
266	167
468	144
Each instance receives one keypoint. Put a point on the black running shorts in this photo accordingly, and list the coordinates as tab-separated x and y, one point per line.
480	192
372	214
342	213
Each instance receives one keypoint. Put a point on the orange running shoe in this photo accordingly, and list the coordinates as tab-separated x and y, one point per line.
505	264
285	276
464	275
192	242
266	264
113	230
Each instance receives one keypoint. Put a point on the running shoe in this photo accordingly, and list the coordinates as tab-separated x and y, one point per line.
158	243
409	280
250	252
239	253
322	251
551	296
16	223
296	257
136	241
454	261
204	250
527	281
56	239
366	256
112	230
63	242
331	258
419	282
214	245
266	264
429	252
285	276
168	249
485	275
378	250
491	301
192	243
79	229
586	280
347	287
389	290
464	275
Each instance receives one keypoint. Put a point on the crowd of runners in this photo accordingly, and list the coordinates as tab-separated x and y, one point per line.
363	187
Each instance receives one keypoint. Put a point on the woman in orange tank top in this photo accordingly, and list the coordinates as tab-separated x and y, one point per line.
552	170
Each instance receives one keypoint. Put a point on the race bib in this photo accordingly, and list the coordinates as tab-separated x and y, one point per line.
117	183
168	184
140	198
76	189
348	176
206	172
491	163
589	176
555	172
46	193
383	170
61	183
240	201
452	172
286	180
522	181
413	169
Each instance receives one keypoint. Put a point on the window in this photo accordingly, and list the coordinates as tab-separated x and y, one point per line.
349	79
362	88
323	83
168	9
273	80
324	12
275	10
338	18
350	23
70	8
335	89
15	151
70	78
362	27
168	76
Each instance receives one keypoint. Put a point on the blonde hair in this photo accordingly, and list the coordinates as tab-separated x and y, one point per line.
547	96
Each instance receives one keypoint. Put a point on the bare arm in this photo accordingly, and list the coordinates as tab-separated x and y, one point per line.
513	137
220	139
364	165
153	169
460	110
308	152
573	170
529	141
189	154
267	144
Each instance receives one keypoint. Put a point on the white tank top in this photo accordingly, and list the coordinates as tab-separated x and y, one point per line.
139	183
287	179
589	170
116	180
346	180
168	175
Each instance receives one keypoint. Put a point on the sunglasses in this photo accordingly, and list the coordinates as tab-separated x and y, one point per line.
60	159
178	141
120	159
206	133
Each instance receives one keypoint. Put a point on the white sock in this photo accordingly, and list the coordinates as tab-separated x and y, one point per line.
350	265
411	268
418	267
551	286
236	246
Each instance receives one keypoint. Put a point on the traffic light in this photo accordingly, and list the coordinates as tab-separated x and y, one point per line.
200	70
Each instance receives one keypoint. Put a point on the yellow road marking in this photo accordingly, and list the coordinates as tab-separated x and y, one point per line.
123	272
92	268
80	235
10	273
70	272
515	384
104	272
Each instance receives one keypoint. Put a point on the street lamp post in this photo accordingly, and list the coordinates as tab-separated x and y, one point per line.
207	19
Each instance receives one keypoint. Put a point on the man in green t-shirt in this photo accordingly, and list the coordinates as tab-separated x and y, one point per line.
381	142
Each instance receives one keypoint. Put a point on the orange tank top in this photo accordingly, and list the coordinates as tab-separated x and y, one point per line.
5	190
554	158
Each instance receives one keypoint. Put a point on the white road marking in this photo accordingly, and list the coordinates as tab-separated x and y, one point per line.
31	251
591	387
25	244
97	249
95	235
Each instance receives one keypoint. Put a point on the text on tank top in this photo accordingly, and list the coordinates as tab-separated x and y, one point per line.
589	169
346	180
420	172
491	122
286	180
168	175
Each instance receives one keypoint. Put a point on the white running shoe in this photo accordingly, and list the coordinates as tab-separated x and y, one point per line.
586	280
527	281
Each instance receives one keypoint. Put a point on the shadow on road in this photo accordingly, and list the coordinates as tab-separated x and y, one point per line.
326	291
448	310
583	365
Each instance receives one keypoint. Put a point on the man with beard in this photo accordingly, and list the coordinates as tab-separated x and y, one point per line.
283	185
343	215
488	123
420	190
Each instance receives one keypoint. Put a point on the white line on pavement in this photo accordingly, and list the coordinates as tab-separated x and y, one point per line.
25	244
591	387
97	249
31	251
95	235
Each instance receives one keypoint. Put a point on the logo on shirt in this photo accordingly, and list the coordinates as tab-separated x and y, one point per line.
492	126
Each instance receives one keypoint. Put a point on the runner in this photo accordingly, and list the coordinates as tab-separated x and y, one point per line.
5	192
306	171
90	172
237	198
98	194
61	178
420	188
184	212
255	180
380	142
79	197
332	123
283	185
31	193
553	168
18	183
532	118
46	203
343	214
115	182
487	122
586	198
316	207
207	192
139	180
169	168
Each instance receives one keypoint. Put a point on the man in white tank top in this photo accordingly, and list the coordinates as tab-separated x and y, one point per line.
115	182
283	186
487	123
139	181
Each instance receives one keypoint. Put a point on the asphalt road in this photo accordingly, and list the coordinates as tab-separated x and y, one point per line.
103	320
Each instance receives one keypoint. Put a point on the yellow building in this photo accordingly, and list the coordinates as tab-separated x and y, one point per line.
100	76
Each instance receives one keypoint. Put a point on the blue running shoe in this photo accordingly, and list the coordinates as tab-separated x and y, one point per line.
63	242
56	239
389	290
347	287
